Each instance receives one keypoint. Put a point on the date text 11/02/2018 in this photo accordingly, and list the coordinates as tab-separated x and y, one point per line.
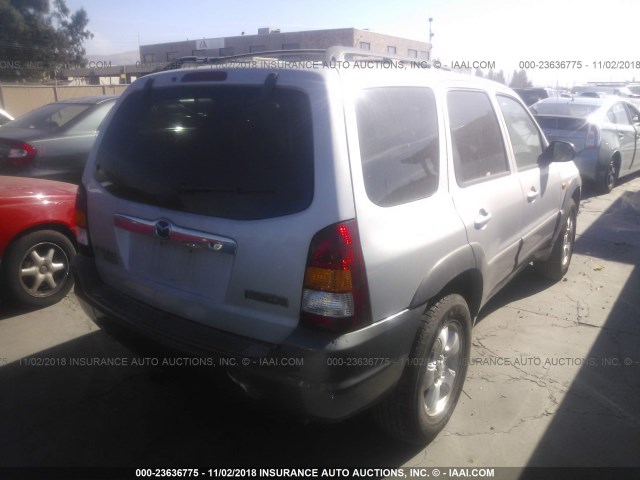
579	64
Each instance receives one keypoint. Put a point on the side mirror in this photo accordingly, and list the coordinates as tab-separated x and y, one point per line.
636	119
558	151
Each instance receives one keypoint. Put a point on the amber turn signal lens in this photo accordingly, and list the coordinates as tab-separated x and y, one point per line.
323	279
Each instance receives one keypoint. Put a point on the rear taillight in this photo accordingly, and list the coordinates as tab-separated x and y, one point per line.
82	225
18	154
336	295
593	137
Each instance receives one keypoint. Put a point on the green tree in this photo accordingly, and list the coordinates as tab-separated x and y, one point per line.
479	73
519	79
500	78
35	39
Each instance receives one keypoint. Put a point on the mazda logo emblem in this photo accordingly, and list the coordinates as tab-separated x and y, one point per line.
163	229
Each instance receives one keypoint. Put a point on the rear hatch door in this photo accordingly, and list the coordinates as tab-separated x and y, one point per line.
203	196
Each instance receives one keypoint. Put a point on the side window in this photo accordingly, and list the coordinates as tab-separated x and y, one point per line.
620	114
93	120
478	146
634	113
398	131
523	133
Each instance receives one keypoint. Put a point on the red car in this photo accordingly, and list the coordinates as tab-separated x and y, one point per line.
37	239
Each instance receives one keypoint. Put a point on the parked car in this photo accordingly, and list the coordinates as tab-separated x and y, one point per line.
604	132
37	240
333	231
53	141
4	117
604	90
635	89
531	95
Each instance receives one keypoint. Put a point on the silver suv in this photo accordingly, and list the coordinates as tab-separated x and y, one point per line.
329	229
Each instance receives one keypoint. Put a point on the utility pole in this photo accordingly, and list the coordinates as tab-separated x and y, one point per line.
430	38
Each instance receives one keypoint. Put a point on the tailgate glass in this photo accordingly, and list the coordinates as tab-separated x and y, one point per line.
237	152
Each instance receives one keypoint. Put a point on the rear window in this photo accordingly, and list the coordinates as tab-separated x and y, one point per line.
398	132
52	116
238	152
561	123
570	109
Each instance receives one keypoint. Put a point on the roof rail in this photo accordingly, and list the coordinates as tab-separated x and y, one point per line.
331	55
178	62
341	54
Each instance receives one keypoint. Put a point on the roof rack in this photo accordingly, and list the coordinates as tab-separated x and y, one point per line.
332	56
178	62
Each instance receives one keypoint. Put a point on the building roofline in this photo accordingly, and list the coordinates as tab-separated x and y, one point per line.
352	30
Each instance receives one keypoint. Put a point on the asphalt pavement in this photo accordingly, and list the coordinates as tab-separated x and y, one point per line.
554	380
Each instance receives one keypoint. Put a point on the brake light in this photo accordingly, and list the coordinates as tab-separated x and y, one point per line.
593	137
18	154
336	295
82	225
205	76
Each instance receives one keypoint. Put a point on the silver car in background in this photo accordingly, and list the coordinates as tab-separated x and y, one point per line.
53	141
531	95
604	132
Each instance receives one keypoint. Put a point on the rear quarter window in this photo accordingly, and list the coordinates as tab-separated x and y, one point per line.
399	143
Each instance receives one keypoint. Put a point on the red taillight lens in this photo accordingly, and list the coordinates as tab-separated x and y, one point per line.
593	137
17	154
336	294
82	225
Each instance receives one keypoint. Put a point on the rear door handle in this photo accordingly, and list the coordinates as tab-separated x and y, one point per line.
481	220
533	195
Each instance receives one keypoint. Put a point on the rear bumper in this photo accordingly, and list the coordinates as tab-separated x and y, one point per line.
313	374
589	164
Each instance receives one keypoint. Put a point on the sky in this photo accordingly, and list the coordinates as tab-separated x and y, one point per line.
603	35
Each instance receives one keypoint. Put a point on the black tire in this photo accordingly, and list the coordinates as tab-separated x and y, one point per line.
608	178
558	263
36	268
411	413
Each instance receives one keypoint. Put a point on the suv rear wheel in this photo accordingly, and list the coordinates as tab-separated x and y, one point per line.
427	393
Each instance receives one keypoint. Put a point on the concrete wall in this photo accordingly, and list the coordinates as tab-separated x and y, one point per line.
20	99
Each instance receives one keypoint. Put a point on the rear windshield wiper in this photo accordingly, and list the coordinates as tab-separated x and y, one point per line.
237	191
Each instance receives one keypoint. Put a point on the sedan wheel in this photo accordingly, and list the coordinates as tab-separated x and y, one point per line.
557	265
37	271
44	269
609	178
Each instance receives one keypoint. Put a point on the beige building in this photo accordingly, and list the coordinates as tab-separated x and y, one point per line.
269	39
155	57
